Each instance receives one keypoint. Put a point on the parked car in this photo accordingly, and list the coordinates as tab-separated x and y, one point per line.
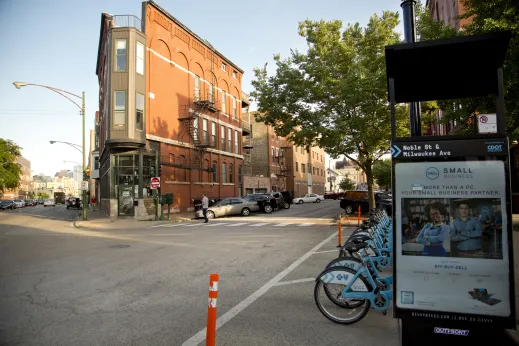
230	206
309	198
353	199
198	203
30	203
276	196
7	204
334	195
287	196
49	202
74	202
19	203
266	202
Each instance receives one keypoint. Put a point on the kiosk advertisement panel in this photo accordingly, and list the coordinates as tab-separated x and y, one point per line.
451	240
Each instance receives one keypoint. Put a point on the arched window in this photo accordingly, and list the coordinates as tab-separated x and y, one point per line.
224	173
206	177
171	158
182	171
231	175
215	171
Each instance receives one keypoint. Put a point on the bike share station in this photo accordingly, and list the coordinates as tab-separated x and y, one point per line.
453	283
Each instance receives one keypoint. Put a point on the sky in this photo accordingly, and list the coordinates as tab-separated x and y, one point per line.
54	42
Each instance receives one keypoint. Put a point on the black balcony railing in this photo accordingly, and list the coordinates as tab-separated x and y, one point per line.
127	21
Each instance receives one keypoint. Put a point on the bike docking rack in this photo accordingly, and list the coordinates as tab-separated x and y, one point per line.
453	260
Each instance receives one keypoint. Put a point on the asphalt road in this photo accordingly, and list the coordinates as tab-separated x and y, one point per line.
148	285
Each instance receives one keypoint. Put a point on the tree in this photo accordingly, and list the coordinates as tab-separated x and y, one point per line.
382	173
44	195
335	94
10	171
346	184
485	16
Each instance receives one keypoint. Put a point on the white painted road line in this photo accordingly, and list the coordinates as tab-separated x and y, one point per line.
213	224
326	251
294	281
200	336
237	224
259	224
306	224
282	224
173	225
193	224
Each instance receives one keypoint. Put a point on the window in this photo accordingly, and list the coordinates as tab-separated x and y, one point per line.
273	153
120	109
222	138
215	171
303	168
277	152
139	66
197	88
240	174
234	108
224	173
234	74
171	158
120	55
229	138
213	133
224	66
236	143
231	175
211	93
302	150
195	129
96	163
297	166
224	102
206	134
139	111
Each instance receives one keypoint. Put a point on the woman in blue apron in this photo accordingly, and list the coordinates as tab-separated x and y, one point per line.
433	233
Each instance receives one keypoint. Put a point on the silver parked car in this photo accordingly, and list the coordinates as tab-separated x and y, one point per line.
19	203
230	206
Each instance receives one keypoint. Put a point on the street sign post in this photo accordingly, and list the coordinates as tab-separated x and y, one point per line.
453	274
84	185
154	183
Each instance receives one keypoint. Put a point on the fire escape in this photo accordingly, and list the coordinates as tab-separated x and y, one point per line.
191	117
284	163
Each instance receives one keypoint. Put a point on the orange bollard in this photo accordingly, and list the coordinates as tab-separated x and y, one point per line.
210	338
358	222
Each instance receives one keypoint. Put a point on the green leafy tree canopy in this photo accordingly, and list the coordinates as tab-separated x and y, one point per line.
335	94
346	184
382	173
10	171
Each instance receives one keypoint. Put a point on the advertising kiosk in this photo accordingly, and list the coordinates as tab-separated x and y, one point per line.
452	222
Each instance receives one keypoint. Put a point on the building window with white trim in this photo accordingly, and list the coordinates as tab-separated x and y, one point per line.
139	66
120	55
197	88
205	129
236	143
234	75
211	93
224	102
222	138
229	138
224	66
234	108
215	172
224	173
213	133
231	173
139	111
120	108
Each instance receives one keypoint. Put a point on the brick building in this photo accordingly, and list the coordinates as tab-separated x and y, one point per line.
188	132
277	165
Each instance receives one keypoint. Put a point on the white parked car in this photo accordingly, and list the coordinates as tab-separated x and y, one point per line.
19	203
49	202
309	198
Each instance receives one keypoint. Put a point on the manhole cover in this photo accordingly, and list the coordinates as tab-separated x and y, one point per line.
119	246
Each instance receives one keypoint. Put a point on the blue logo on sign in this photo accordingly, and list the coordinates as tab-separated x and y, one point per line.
495	148
432	173
340	277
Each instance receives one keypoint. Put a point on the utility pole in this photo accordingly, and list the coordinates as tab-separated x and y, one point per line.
85	217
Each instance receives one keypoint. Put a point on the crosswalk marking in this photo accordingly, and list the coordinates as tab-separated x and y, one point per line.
282	224
233	224
306	224
237	224
193	224
259	224
216	224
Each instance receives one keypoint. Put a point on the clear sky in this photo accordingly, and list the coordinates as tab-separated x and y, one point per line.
54	42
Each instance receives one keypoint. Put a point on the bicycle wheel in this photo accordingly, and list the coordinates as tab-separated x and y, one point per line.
349	262
328	307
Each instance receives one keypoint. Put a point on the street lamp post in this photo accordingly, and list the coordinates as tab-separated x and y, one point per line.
64	93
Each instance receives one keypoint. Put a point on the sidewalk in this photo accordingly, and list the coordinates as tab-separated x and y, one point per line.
98	220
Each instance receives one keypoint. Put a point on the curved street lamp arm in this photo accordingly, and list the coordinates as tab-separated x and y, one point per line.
58	91
75	146
54	89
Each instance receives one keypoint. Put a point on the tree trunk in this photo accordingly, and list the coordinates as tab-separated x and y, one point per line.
371	195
